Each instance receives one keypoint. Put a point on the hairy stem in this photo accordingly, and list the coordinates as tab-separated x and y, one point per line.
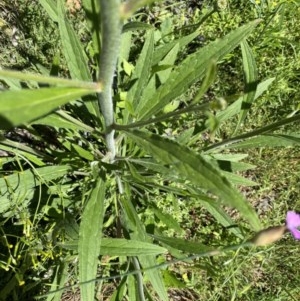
111	36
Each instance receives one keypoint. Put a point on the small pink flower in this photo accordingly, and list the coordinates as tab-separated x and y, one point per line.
292	223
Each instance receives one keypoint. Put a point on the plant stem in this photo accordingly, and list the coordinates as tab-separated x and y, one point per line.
111	37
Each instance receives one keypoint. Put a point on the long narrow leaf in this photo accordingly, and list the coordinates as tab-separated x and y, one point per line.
72	49
90	235
50	8
192	69
19	107
21	184
195	169
139	233
51	80
121	247
251	78
235	107
142	70
168	61
92	10
160	52
183	244
275	140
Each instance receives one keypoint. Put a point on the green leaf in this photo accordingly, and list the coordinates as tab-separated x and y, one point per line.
119	292
131	288
121	247
164	70
51	80
124	51
160	52
13	84
171	280
196	169
29	153
129	7
133	26
169	61
260	131
220	215
251	79
21	184
62	119
142	70
59	281
207	82
92	13
32	104
50	8
229	162
90	235
125	247
275	140
154	276
167	219
138	233
182	244
76	58
237	179
192	69
83	153
235	107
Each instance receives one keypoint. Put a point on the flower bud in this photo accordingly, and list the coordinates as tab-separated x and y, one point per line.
268	236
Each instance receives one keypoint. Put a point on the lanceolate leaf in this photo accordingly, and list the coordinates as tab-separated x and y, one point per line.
235	107
192	69
90	235
50	8
160	52
21	184
275	140
183	244
73	51
121	247
163	75
138	233
92	10
194	168
19	107
251	78
61	119
142	70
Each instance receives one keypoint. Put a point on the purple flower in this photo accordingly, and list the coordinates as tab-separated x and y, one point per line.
292	223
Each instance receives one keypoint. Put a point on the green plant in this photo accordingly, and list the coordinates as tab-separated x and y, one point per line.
97	165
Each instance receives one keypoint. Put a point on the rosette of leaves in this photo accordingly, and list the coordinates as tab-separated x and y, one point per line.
90	165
